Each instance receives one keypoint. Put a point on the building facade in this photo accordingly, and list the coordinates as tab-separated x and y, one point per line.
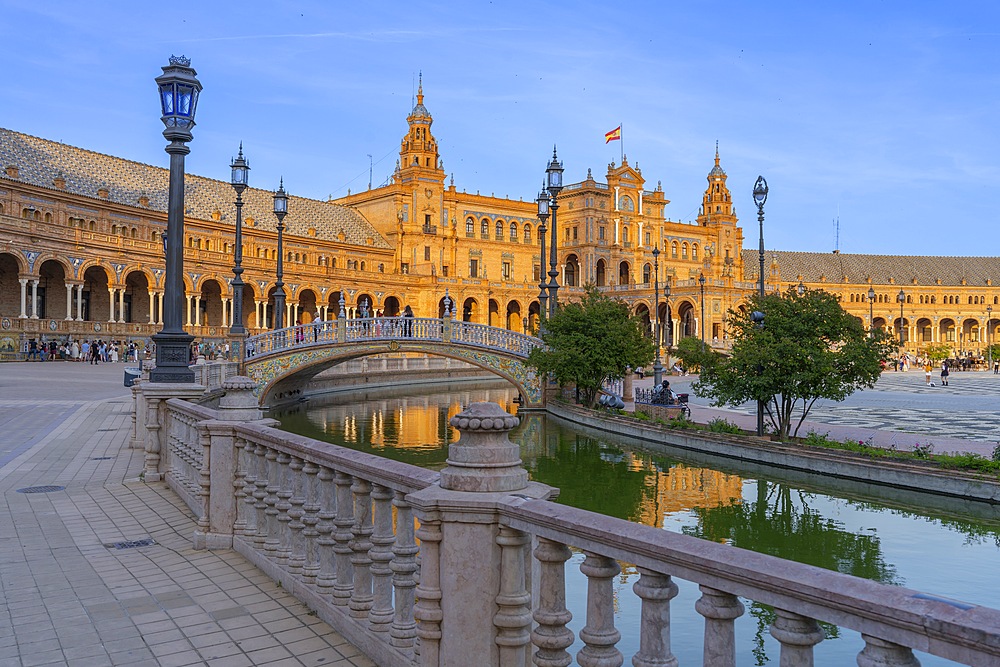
81	253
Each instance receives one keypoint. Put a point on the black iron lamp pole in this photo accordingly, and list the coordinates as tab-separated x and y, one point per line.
657	366
701	283
280	211
759	197
179	89
871	311
543	215
553	175
901	297
989	350
670	316
240	169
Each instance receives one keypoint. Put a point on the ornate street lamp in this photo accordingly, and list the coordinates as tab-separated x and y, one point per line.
801	289
178	89
901	297
280	211
553	175
871	312
240	169
657	366
701	283
759	197
989	350
543	215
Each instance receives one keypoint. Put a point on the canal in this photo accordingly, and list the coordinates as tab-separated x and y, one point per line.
947	547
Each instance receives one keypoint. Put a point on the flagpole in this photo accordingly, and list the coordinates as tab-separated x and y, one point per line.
621	141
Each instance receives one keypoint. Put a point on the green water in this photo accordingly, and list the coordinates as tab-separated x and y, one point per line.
945	547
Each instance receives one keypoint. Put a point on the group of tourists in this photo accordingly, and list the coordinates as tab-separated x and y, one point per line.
89	351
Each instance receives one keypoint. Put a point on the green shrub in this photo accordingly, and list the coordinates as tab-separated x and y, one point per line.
680	422
720	425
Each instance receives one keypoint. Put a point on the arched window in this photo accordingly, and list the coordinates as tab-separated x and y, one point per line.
684	251
527	233
694	252
673	250
625	234
970	300
513	232
484	228
48	217
499	228
470	227
540	234
645	273
626	203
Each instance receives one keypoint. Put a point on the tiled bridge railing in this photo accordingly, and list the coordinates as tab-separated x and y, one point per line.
338	528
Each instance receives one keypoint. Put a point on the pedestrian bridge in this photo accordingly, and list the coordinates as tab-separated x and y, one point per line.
282	362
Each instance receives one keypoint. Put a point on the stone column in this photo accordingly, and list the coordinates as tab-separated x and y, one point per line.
197	310
69	302
225	312
121	305
24	296
111	304
159	308
34	299
79	303
238	405
187	311
460	526
152	306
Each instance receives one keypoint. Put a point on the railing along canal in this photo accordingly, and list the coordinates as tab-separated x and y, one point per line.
411	329
338	529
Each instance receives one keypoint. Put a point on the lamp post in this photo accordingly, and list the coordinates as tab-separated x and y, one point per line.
759	197
178	89
871	312
240	168
280	211
657	366
670	317
901	297
553	175
543	215
989	349
801	289
701	284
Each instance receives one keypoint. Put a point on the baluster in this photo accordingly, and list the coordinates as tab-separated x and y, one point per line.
327	513
404	568
362	598
880	653
273	541
656	591
513	620
296	541
600	635
203	481
551	636
382	611
427	610
241	487
311	508
344	585
797	634
284	494
259	494
720	609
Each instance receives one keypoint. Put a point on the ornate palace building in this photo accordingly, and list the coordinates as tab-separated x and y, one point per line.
81	253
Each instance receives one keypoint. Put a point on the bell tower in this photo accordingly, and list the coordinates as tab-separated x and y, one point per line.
723	239
717	202
418	153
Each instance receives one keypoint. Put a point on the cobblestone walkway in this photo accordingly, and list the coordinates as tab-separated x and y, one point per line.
81	583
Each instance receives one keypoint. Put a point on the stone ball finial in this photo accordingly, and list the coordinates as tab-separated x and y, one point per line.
484	417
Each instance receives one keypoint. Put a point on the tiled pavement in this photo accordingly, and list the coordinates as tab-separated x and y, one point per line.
69	597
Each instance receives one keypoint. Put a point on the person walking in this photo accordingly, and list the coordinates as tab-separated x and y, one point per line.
927	373
944	373
996	367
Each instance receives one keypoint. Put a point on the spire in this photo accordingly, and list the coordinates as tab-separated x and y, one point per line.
716	152
419	110
420	88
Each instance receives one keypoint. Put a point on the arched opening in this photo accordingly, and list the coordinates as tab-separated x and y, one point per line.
441	307
494	314
601	273
533	318
249	307
647	274
96	298
470	310
307	306
970	334
391	307
624	273
514	322
571	276
925	331
946	329
878	323
10	289
138	305
210	304
364	306
642	312
51	303
688	319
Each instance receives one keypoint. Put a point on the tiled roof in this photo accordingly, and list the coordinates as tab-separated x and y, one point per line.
902	269
40	161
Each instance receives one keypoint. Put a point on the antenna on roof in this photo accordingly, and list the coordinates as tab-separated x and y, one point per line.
836	231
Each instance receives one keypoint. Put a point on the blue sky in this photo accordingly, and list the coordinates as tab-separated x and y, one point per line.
882	112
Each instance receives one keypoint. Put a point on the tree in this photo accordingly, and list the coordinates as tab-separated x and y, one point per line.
938	352
693	354
807	348
589	341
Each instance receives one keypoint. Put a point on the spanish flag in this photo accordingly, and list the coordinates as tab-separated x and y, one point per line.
613	135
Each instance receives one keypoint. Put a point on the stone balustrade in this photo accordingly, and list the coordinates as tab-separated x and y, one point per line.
423	568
